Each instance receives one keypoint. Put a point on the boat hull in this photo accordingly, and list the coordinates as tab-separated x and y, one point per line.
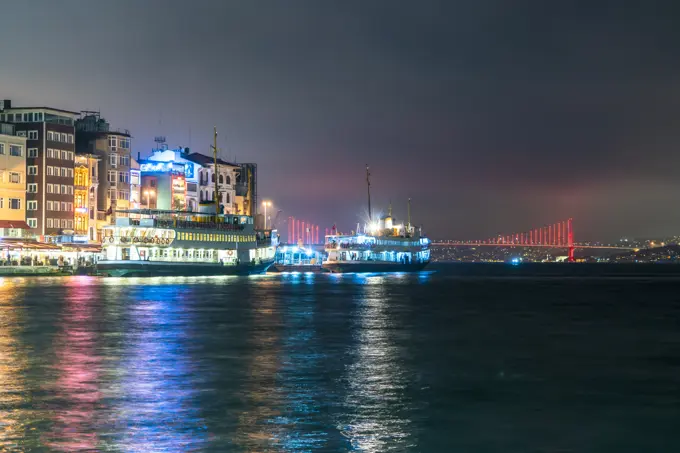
162	269
347	267
303	268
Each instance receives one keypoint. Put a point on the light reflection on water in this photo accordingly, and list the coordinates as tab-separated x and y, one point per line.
376	381
13	365
157	410
315	362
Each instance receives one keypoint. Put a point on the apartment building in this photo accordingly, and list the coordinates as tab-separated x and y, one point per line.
50	155
13	184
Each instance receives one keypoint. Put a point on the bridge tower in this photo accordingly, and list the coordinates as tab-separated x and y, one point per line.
570	240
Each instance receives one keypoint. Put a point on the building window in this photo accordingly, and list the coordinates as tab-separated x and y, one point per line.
64	223
112	194
2	148
228	180
69	206
32	205
69	224
64	172
33	223
50	171
64	190
112	141
33	135
32	169
64	206
48	205
50	136
57	188
124	177
50	153
14	177
125	161
228	199
50	188
63	137
16	150
112	177
32	188
221	179
113	160
69	172
49	223
32	152
123	195
15	203
70	138
21	133
56	206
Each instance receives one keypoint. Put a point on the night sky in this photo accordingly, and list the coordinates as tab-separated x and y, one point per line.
493	115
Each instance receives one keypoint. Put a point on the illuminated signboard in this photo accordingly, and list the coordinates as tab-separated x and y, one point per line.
189	170
178	185
156	167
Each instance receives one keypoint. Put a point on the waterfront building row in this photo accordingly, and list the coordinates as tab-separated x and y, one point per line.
65	175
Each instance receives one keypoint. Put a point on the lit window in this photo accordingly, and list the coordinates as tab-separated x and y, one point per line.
16	150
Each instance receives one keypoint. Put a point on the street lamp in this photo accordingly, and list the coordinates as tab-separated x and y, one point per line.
148	194
266	204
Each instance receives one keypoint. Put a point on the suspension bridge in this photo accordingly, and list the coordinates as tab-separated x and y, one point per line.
556	235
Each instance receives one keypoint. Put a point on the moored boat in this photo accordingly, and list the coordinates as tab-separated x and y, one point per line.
164	243
384	246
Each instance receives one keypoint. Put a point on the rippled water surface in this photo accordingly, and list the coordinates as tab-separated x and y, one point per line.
293	363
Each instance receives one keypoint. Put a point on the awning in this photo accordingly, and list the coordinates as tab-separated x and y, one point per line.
76	247
23	244
19	224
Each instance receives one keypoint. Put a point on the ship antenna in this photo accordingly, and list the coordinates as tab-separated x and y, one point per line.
368	182
216	176
409	216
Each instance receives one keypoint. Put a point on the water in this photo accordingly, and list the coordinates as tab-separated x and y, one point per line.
295	363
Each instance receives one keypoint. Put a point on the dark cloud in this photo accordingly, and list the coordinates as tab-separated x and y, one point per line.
493	115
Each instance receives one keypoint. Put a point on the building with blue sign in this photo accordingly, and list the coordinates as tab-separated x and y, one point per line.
198	174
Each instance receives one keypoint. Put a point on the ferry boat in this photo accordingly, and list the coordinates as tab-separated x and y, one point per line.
171	243
384	246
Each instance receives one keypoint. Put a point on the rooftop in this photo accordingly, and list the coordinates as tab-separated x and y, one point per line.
204	160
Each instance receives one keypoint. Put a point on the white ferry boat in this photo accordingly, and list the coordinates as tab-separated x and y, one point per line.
184	244
384	246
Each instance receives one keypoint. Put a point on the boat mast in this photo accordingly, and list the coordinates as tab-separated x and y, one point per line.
216	176
368	182
408	224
